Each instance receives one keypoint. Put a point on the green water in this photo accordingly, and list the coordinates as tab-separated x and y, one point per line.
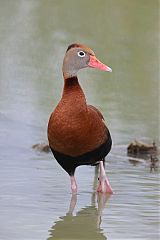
34	190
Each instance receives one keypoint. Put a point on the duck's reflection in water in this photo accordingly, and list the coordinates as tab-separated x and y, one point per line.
85	225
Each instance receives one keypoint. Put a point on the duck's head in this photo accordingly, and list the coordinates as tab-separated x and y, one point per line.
79	56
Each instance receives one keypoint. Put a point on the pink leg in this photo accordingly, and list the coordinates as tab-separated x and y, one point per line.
73	185
104	185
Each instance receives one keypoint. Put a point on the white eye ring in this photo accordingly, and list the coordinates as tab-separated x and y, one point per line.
81	54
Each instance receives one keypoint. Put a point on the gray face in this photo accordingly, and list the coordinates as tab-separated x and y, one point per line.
74	60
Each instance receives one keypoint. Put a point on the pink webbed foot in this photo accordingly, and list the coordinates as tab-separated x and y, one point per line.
104	185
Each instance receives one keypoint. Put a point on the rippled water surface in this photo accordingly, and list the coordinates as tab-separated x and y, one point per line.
35	198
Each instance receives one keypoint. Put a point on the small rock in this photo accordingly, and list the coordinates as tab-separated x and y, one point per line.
136	148
42	147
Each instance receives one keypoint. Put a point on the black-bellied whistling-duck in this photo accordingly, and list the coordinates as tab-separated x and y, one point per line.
77	132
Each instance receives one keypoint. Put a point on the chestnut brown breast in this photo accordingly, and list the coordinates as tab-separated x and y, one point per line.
75	128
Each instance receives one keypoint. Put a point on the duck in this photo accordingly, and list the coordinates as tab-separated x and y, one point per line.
77	132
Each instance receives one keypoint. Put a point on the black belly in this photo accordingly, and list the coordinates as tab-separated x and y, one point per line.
70	163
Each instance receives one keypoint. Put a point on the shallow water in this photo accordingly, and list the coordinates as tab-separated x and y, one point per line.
34	191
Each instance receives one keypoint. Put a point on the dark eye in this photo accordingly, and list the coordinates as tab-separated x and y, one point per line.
81	54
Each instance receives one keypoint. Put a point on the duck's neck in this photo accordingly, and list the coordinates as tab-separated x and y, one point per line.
72	87
70	83
73	92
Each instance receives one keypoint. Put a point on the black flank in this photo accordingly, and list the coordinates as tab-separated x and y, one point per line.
69	163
